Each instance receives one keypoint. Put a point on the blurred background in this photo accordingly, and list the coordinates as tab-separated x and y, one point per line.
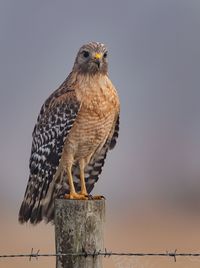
151	181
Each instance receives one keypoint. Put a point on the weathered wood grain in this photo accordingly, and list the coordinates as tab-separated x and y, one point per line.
79	226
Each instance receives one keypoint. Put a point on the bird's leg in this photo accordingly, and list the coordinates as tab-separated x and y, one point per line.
72	194
82	178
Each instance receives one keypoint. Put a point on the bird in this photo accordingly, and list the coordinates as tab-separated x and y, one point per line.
76	127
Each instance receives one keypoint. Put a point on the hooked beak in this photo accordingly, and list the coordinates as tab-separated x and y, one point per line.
97	59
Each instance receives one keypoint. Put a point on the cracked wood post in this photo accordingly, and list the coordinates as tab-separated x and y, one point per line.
79	226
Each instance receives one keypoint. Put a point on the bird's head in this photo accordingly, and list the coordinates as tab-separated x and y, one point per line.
92	59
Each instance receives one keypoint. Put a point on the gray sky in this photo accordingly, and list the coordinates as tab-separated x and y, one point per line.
154	56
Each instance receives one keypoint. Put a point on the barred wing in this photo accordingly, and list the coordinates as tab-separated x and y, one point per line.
53	125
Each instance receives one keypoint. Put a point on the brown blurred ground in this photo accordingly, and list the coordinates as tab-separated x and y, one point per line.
147	229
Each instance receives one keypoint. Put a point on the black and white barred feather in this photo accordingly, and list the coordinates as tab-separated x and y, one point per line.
54	123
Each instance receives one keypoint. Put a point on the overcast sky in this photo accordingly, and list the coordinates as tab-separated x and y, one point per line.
154	61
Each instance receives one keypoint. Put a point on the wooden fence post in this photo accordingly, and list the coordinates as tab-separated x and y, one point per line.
79	227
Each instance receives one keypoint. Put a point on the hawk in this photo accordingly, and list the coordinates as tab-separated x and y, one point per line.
76	127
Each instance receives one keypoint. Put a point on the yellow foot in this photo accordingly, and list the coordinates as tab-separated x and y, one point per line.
75	196
96	197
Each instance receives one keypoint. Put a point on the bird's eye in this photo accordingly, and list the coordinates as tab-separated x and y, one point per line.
86	54
105	55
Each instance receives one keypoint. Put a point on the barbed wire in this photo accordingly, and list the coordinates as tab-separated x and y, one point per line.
174	254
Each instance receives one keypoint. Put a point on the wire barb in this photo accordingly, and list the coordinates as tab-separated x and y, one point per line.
174	254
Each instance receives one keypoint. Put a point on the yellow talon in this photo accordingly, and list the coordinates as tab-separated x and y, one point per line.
75	196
